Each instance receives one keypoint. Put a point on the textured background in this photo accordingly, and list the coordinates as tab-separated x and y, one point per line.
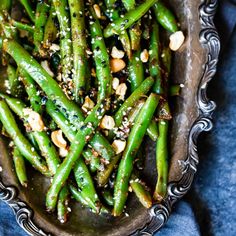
209	208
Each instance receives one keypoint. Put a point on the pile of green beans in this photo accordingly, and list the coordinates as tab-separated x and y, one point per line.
86	82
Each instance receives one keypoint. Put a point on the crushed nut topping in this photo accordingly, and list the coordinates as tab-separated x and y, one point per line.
34	119
176	40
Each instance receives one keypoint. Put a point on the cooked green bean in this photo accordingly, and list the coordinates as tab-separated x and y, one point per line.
25	148
165	17
50	29
152	130
94	161
129	19
107	196
139	190
5	5
85	183
134	140
19	164
14	83
45	81
62	205
23	26
174	90
104	175
76	148
154	61
162	141
132	99
79	196
28	9
113	15
61	9
50	86
79	44
32	91
162	161
136	71
101	58
98	142
46	146
135	31
42	10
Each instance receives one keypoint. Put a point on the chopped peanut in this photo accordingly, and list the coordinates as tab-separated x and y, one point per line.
119	146
54	47
176	40
121	89
97	10
115	83
107	122
117	65
88	104
144	56
116	53
58	139
63	152
34	119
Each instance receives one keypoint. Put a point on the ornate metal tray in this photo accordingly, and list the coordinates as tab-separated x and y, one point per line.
194	66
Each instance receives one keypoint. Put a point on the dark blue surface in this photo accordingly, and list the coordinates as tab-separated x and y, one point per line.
209	208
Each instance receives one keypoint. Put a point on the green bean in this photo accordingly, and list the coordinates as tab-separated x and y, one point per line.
129	19
174	90
65	37
162	142
76	148
107	196
136	71
135	111
42	10
61	121
79	45
132	99
94	161
5	5
162	161
85	183
46	147
26	149
62	205
98	142
50	86
101	146
104	175
133	143
28	9
14	83
79	196
45	81
22	26
124	37
19	164
152	130
154	61
165	17
135	32
32	91
101	58
50	29
155	72
139	190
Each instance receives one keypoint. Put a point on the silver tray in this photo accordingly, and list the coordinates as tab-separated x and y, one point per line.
194	65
